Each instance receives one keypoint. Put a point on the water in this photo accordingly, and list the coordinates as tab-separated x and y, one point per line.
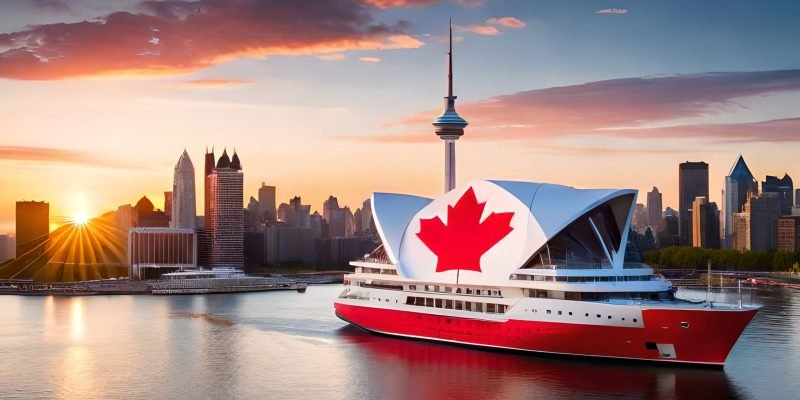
288	345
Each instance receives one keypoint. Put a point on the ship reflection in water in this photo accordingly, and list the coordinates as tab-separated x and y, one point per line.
421	370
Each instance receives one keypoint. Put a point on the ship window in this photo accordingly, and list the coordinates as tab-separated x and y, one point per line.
448	289
419	301
635	320
478	307
559	313
570	313
459	305
684	325
609	317
587	314
598	315
428	302
650	346
490	308
549	312
439	303
448	304
410	300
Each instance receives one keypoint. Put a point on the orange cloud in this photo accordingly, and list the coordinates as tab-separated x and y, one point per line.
370	59
332	57
174	37
508	22
216	82
651	107
56	156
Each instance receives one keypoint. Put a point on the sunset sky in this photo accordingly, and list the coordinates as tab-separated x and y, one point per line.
100	98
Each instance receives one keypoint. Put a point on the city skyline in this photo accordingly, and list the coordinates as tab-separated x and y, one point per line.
86	135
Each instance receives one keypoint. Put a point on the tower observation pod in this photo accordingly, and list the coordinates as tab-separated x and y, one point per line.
450	126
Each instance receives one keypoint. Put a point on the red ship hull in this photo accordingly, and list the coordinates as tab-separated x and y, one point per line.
707	340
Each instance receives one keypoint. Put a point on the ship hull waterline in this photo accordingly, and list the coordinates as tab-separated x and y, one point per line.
710	336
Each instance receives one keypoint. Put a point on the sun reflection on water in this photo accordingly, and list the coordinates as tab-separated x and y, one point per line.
77	326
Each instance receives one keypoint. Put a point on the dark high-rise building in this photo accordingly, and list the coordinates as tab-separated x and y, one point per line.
168	204
692	183
789	233
756	227
33	226
295	213
705	224
739	186
341	222
7	248
225	216
783	187
266	202
654	208
145	215
797	197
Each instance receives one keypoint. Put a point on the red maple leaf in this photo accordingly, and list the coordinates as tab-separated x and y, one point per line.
461	243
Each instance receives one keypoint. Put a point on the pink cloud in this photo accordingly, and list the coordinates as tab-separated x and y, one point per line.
508	22
179	36
56	156
370	59
478	29
626	108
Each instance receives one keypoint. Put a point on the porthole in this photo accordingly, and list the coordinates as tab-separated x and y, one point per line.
685	325
635	320
609	317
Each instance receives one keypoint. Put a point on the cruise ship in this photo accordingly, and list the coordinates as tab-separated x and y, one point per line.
526	266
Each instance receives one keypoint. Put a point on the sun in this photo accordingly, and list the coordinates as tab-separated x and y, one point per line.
80	218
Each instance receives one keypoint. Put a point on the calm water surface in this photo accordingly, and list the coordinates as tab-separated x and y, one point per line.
288	345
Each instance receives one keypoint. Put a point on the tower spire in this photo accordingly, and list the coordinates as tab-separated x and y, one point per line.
450	126
450	64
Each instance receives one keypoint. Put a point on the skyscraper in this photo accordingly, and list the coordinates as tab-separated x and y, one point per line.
168	204
225	217
33	226
756	227
705	224
7	247
450	126
266	202
340	220
783	187
184	205
654	208
739	186
692	183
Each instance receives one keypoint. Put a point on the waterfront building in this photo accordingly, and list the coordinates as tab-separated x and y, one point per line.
285	243
225	217
255	248
8	248
692	183
340	250
168	204
654	208
705	224
367	222
797	197
340	220
125	217
252	219
739	186
146	215
639	223
784	188
295	213
756	227
184	204
33	226
156	251
789	233
266	202
667	235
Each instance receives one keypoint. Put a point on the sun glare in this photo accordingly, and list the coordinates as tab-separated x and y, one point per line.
80	218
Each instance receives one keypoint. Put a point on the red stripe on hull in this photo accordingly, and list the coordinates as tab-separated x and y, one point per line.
708	339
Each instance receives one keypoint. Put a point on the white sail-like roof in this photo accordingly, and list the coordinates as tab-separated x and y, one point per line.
513	219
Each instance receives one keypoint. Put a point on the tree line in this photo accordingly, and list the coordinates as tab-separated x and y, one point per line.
723	259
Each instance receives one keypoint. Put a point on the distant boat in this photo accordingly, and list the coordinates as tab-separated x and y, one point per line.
219	280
